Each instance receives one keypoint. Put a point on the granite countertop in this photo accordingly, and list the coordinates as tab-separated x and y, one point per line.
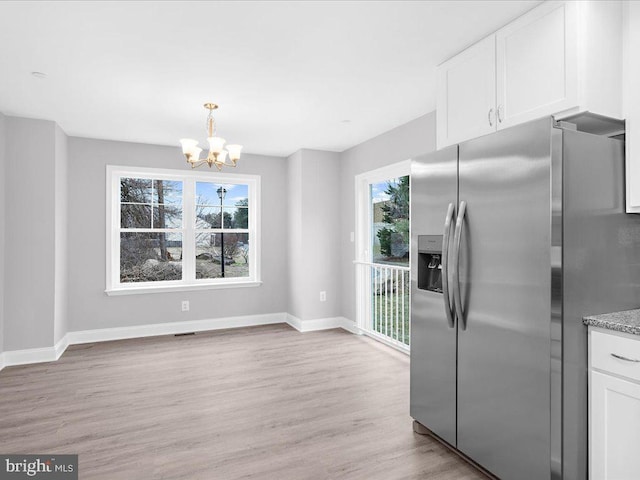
627	321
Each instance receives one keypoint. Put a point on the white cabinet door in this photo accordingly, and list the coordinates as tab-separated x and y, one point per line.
614	428
466	94
537	64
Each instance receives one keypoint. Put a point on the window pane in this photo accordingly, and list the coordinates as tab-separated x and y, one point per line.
167	191
150	257
236	251
147	203
135	216
207	217
228	218
209	255
390	222
167	216
135	190
209	193
236	217
235	194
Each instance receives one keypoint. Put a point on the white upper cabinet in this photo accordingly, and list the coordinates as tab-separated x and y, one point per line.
467	94
536	64
560	58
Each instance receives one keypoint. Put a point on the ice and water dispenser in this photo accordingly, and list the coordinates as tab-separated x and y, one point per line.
430	262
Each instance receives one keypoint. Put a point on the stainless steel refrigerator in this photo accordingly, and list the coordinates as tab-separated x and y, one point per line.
515	237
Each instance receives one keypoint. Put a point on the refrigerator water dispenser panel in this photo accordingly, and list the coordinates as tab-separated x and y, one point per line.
430	263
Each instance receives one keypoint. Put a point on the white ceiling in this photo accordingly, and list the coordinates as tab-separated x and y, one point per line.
287	75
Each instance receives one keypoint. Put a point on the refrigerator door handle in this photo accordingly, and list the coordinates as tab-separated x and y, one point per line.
448	223
457	237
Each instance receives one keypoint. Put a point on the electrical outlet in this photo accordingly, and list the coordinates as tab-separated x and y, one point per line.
352	237
185	305
323	296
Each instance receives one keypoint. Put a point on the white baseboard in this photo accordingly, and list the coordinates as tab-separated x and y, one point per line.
61	346
322	324
34	355
51	354
29	355
350	326
122	333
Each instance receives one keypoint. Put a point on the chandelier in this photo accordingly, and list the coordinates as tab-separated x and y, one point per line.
217	154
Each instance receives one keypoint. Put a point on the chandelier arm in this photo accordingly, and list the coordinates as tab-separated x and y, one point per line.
198	163
225	164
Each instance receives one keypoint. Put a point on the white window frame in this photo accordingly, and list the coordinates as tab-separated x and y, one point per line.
189	282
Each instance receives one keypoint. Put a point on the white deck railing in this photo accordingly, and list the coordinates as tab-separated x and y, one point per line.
384	303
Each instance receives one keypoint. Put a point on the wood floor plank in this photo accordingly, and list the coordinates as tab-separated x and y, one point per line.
253	403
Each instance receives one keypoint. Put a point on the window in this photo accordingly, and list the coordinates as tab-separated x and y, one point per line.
170	229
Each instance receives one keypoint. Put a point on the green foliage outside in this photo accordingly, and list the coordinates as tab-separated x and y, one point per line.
396	214
241	215
391	313
239	219
384	235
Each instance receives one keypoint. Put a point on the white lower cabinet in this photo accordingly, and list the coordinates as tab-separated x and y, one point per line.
614	423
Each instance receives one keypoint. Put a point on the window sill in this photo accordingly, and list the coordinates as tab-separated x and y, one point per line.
178	288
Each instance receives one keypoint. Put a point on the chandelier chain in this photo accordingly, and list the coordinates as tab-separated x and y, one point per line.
211	124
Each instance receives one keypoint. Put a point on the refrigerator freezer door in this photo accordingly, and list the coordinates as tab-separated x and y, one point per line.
434	186
505	281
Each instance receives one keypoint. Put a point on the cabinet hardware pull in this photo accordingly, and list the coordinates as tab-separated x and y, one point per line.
489	116
620	357
500	113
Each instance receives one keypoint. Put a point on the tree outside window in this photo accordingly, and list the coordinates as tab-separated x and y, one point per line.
390	209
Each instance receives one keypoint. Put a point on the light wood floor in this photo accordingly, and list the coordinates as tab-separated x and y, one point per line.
252	403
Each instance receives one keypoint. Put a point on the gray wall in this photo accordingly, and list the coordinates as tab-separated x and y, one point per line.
314	196
61	262
2	225
29	234
54	248
91	308
402	143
